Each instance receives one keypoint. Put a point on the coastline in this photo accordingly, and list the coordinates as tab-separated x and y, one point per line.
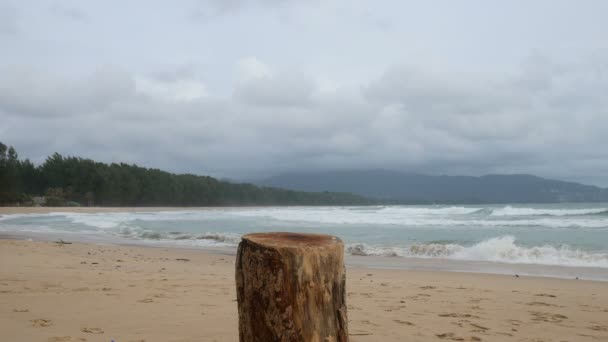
55	292
354	260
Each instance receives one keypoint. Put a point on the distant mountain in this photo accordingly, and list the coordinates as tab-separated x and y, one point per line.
405	187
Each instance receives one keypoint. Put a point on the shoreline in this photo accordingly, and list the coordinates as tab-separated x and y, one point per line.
95	210
364	262
55	292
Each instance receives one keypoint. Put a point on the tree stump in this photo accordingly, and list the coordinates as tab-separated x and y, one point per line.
291	287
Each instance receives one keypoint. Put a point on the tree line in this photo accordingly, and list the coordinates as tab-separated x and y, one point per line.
65	180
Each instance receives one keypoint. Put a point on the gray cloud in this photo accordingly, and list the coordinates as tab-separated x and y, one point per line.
399	120
68	11
8	19
331	96
28	91
282	90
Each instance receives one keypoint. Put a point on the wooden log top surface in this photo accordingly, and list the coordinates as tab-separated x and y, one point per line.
295	240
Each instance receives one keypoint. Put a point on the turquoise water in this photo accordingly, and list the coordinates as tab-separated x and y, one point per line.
556	234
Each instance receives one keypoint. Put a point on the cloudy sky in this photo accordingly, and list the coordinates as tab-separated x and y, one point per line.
246	89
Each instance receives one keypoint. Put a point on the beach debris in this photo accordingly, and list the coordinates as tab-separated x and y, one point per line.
21	310
61	242
182	259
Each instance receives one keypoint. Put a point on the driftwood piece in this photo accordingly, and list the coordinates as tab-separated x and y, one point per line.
291	287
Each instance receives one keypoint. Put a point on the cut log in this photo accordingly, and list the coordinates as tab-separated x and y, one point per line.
291	287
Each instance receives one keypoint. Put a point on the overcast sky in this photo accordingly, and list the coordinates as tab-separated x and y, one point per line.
246	89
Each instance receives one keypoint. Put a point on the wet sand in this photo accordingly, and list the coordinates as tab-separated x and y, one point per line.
92	210
92	292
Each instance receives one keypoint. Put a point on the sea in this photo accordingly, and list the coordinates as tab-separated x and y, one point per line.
562	240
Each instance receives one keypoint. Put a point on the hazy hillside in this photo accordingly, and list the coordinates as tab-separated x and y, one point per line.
411	187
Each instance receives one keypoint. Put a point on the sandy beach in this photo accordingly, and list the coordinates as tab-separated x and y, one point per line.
88	292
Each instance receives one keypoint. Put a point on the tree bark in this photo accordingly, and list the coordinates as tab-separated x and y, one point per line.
291	287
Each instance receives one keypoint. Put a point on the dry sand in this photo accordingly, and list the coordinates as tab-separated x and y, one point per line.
87	292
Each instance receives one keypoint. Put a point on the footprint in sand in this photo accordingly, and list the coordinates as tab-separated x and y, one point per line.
479	328
428	287
366	322
540	304
599	327
453	337
403	322
458	315
547	317
41	322
146	300
65	339
545	295
92	330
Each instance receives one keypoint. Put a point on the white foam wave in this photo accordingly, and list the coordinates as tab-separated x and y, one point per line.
6	217
209	238
401	216
116	219
414	216
224	238
514	211
499	249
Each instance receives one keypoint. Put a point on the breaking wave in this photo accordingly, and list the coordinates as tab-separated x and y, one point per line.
499	249
208	239
511	211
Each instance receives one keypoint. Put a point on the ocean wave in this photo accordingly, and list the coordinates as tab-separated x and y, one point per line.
517	211
436	217
211	238
435	210
440	222
225	238
499	249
